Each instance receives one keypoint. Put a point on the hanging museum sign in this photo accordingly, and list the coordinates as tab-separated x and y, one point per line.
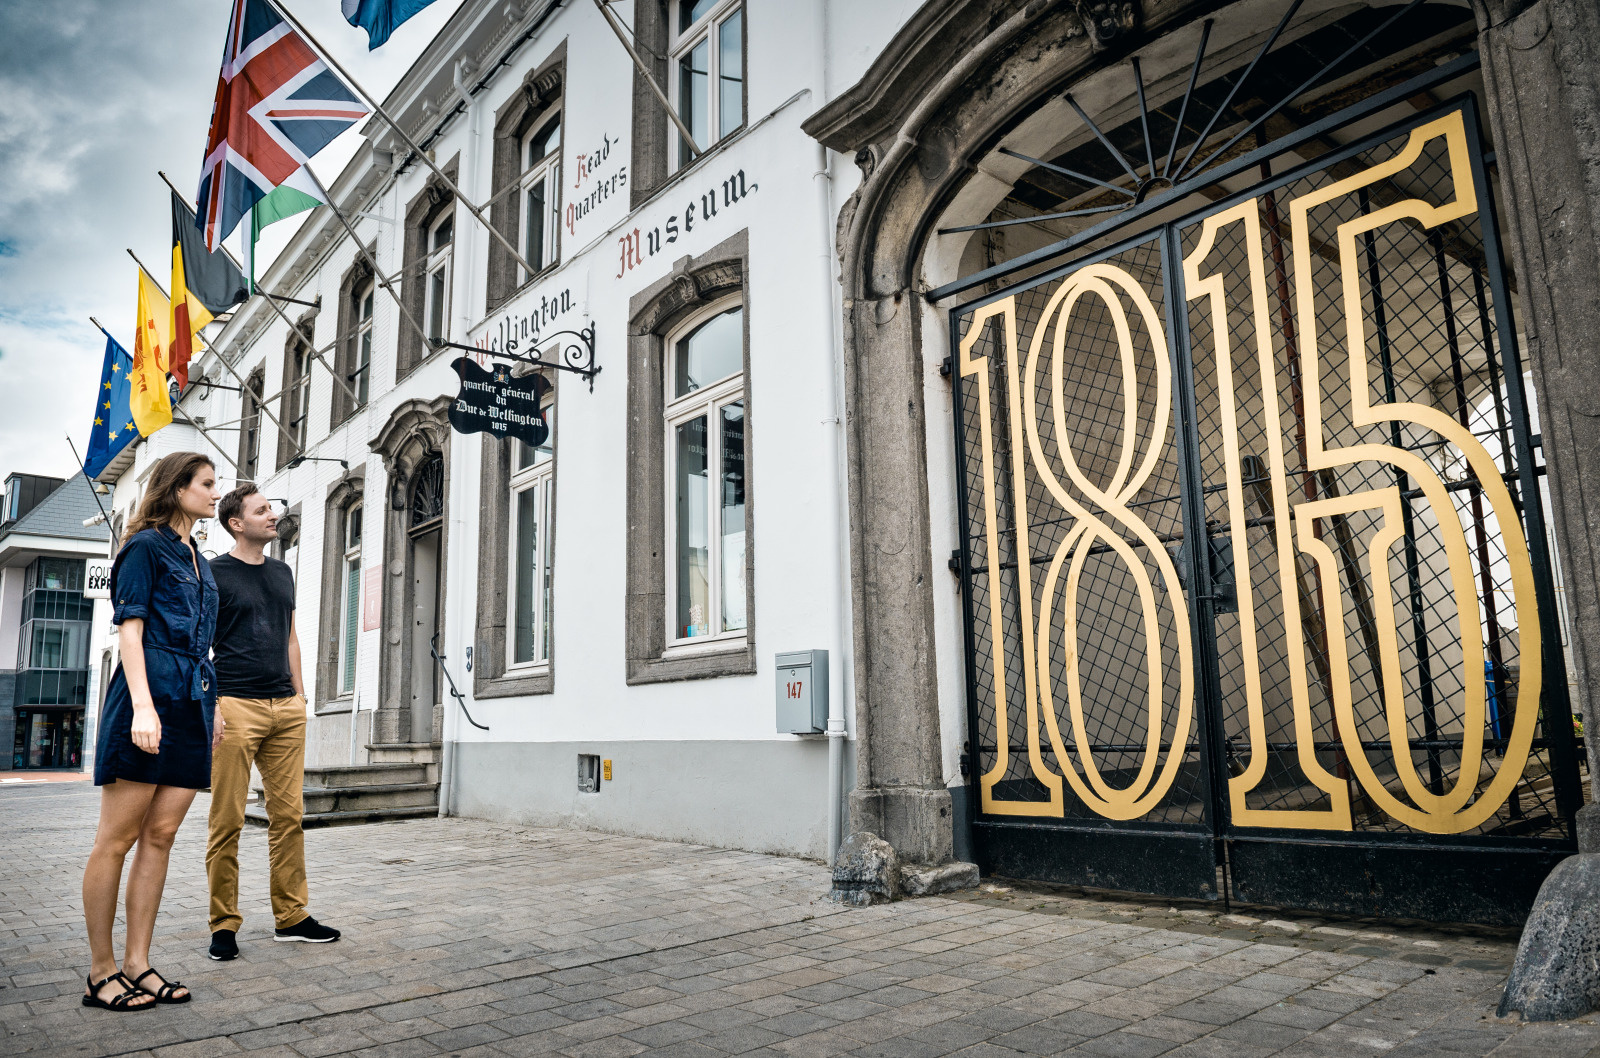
498	402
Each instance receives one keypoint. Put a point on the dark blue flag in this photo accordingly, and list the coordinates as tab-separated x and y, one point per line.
113	420
380	17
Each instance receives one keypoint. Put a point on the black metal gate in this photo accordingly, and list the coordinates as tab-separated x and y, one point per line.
1257	592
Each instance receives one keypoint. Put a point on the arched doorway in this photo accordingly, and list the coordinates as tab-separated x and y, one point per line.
425	545
1252	600
415	446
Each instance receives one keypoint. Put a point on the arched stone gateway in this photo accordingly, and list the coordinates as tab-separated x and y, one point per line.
1037	162
415	446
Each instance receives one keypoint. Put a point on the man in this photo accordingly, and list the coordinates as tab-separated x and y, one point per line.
261	700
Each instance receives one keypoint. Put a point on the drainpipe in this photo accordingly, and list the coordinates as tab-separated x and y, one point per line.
832	445
459	598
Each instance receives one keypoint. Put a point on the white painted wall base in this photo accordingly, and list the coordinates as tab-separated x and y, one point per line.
768	796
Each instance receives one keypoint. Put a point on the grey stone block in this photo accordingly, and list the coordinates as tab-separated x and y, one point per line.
1589	828
1557	972
922	880
866	871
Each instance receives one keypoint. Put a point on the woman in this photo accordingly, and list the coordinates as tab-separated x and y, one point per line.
155	741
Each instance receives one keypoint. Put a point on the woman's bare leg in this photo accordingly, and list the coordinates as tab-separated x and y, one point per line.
123	806
148	875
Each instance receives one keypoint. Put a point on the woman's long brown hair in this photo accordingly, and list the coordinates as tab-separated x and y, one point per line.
172	474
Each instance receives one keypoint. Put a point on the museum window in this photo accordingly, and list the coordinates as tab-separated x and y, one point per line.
294	402
427	285
531	509
350	596
541	196
361	378
526	173
690	502
436	309
352	348
707	72
516	548
705	448
250	425
339	602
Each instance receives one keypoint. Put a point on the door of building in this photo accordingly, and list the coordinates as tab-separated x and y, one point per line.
1258	598
426	536
48	738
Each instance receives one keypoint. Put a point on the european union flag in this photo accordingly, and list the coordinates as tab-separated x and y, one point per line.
380	17
113	419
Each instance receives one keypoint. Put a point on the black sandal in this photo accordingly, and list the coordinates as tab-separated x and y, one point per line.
164	994
121	1001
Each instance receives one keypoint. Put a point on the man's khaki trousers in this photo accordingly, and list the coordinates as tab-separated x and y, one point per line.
271	733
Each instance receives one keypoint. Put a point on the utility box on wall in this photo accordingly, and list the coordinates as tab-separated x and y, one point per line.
803	692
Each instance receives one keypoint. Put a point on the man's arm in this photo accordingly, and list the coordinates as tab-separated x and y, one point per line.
294	660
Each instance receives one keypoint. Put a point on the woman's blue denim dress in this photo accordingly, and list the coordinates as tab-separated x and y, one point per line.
154	578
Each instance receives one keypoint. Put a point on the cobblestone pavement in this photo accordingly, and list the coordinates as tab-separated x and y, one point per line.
480	940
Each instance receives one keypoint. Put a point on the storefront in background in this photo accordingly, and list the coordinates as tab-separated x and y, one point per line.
48	738
52	681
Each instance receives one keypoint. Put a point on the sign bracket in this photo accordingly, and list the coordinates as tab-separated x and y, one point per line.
563	350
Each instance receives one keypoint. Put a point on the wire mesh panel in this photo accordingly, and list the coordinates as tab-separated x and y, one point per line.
1306	531
1083	687
1383	665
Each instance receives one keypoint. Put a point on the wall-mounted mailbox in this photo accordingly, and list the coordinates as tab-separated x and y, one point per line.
803	692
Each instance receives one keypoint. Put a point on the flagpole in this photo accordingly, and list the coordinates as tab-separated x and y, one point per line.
146	270
261	407
207	435
377	273
616	27
84	469
272	303
404	135
236	262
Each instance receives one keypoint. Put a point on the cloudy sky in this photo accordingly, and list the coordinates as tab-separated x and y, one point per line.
95	97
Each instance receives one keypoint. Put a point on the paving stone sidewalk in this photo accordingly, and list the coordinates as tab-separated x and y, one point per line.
480	940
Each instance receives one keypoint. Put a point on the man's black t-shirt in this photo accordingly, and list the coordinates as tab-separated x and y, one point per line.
255	605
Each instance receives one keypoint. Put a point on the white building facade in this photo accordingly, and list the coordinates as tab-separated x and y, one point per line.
799	406
610	603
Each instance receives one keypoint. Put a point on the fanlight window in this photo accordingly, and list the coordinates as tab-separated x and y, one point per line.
427	492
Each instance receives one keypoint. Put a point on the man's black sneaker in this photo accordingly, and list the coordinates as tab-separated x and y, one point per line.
309	930
223	946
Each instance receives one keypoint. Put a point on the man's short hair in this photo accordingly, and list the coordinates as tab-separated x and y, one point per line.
232	504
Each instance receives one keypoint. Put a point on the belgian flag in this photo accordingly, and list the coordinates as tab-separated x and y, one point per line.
204	284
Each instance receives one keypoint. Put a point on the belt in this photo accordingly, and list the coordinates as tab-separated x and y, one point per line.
202	676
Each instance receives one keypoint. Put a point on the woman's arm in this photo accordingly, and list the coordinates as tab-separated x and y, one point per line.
146	722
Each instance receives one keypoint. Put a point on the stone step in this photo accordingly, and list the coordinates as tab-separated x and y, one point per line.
342	798
366	775
257	815
350	798
404	752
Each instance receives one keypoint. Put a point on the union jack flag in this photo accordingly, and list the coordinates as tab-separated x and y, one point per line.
277	104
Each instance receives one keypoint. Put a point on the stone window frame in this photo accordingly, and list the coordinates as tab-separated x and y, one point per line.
694	284
342	496
250	394
540	96
490	678
422	213
294	398
346	354
653	134
289	533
